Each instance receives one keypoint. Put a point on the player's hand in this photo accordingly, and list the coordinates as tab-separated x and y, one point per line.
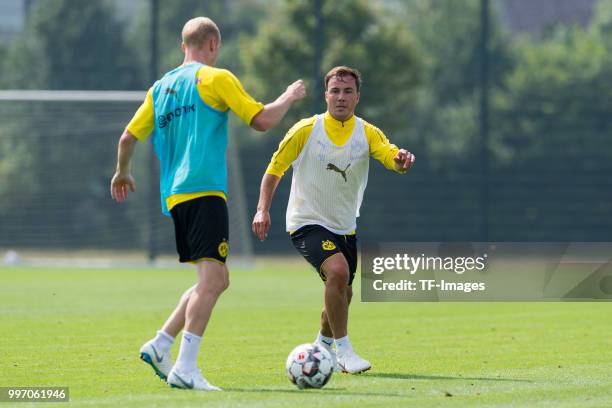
121	184
261	224
403	160
296	90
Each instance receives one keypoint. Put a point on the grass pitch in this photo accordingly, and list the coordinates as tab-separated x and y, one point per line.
82	328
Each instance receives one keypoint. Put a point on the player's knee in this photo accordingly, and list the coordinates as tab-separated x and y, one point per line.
187	294
337	276
214	279
211	287
226	283
218	286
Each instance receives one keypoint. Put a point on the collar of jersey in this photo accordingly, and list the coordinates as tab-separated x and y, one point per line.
337	131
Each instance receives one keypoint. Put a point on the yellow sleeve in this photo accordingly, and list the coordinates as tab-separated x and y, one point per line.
143	122
221	90
380	147
290	147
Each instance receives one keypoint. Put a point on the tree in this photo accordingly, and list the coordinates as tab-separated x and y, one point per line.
552	131
234	18
68	44
355	34
448	32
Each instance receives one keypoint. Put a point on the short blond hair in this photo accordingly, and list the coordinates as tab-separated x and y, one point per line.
199	30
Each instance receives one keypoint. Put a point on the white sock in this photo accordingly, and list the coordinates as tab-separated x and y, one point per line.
188	354
321	339
163	341
343	345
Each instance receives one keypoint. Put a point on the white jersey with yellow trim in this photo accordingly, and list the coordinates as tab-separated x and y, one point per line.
329	181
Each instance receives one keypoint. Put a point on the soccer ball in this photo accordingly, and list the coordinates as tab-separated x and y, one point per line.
309	366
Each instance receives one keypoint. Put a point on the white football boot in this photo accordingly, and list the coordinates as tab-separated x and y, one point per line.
332	352
351	363
161	362
190	381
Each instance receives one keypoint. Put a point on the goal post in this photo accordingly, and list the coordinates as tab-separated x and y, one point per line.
57	156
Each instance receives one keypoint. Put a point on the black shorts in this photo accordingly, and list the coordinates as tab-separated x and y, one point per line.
201	229
316	244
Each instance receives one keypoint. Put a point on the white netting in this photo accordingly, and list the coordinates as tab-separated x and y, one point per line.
57	155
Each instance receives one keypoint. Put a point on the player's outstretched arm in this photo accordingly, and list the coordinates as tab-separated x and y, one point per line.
403	160
262	221
123	181
273	112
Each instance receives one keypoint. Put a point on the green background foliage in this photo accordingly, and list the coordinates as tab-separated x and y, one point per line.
549	141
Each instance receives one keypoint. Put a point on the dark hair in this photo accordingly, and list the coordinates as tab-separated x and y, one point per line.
343	71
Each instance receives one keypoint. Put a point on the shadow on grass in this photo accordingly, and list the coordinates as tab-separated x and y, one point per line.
326	390
404	376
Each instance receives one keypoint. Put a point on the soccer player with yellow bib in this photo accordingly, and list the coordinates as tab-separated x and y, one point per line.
186	111
330	156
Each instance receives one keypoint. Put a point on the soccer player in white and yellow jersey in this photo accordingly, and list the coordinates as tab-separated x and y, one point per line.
186	111
330	157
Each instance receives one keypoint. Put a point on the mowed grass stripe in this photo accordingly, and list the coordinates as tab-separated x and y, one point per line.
82	328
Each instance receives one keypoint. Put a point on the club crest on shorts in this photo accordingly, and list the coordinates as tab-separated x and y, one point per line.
223	248
328	245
